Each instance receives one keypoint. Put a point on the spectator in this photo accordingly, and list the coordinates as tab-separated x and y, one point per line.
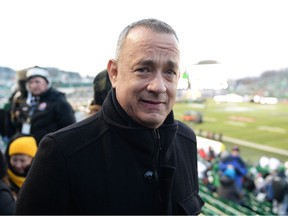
271	167
102	85
227	189
280	192
235	160
211	154
20	153
7	201
131	157
202	153
19	96
46	110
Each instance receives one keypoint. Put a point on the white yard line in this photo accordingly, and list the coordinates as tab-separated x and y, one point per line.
251	145
271	129
234	123
255	145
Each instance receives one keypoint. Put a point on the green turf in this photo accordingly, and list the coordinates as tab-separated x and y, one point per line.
263	124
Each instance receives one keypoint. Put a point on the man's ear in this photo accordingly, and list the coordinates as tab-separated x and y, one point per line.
112	71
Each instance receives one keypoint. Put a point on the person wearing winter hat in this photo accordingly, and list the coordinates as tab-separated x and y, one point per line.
234	159
38	80
102	86
20	153
20	91
11	109
21	81
46	109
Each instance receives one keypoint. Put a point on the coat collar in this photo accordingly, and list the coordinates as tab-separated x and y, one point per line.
121	117
142	138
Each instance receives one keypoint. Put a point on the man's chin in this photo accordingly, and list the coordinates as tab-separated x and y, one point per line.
153	122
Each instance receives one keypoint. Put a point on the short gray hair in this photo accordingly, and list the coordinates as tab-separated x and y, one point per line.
153	24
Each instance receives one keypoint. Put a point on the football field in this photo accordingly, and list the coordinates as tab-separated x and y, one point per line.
259	123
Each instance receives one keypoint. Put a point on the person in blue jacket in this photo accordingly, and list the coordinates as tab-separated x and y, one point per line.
235	161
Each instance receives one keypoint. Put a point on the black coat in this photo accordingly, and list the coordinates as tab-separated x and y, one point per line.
7	202
52	113
107	164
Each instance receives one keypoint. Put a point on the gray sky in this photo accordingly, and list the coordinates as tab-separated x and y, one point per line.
246	37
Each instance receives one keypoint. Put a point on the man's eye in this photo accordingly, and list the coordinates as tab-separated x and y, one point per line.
170	72
142	70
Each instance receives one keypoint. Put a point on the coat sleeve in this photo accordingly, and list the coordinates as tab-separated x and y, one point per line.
46	188
7	202
64	113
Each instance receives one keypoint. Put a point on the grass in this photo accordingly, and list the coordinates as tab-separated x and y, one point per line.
263	124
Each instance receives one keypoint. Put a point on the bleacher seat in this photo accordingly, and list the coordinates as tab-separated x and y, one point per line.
218	206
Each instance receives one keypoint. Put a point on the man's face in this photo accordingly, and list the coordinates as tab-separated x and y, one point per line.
37	85
20	162
146	75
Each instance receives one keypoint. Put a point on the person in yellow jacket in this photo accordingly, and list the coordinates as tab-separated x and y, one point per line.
20	154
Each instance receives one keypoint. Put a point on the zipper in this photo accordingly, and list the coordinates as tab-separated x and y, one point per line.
156	164
158	148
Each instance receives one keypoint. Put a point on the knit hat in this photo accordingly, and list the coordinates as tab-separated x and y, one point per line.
39	72
102	85
23	145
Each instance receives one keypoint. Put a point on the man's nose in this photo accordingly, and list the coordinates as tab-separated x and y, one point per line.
18	164
157	84
32	84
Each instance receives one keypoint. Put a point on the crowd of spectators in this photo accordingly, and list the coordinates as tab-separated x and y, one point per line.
233	179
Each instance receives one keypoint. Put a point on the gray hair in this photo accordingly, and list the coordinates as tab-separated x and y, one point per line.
153	24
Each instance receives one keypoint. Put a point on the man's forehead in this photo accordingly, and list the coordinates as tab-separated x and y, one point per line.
144	33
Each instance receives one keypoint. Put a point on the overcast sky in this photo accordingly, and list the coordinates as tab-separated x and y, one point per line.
246	37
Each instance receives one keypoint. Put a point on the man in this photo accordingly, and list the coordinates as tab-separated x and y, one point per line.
45	110
131	157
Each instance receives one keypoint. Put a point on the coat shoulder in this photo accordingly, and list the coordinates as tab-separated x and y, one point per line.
185	131
79	135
